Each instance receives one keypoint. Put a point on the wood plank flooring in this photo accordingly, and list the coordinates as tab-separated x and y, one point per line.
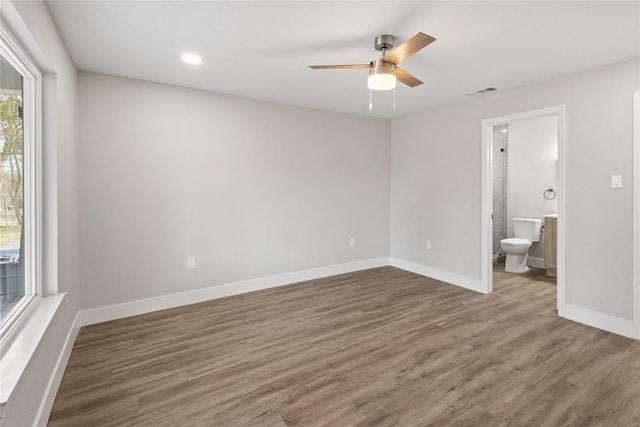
378	347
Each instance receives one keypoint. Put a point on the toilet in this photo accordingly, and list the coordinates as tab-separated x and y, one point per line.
526	231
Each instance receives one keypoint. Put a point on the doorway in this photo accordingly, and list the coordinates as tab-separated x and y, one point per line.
490	142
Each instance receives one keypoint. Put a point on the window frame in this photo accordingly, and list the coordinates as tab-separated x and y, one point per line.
13	53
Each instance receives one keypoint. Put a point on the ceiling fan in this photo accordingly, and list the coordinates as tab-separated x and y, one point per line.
384	72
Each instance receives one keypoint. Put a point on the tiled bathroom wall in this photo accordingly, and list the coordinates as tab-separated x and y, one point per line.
499	187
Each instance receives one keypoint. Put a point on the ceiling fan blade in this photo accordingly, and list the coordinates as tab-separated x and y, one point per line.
406	78
330	67
408	48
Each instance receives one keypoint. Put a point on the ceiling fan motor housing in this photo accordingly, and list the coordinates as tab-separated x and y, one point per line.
378	66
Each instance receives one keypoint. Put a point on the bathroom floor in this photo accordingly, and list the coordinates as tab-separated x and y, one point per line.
535	279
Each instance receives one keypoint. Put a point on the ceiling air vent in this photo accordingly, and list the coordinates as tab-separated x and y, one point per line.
481	91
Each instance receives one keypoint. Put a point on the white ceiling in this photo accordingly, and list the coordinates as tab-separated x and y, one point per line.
262	49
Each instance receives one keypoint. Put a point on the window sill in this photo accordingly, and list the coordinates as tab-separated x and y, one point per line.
16	358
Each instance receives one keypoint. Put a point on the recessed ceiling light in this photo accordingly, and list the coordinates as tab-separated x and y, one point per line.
191	58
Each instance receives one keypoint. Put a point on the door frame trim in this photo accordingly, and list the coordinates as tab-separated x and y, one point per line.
636	214
486	238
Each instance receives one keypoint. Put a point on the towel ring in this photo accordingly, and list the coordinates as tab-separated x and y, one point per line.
549	194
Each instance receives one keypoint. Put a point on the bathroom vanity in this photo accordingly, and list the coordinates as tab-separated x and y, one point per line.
551	244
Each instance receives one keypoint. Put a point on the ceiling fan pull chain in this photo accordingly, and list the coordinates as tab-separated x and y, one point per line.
370	103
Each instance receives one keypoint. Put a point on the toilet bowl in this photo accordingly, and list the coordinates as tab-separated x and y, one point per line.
517	251
526	230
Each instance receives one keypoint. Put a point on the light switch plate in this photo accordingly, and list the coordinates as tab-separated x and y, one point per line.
616	181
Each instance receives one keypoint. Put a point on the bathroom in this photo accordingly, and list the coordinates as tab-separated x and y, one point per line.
525	185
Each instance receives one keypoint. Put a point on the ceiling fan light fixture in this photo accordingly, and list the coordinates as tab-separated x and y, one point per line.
382	75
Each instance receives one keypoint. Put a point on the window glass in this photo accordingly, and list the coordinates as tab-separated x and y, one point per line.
12	277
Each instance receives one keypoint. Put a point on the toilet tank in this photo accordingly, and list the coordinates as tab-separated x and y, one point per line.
527	228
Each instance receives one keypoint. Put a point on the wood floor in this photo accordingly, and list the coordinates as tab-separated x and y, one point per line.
379	347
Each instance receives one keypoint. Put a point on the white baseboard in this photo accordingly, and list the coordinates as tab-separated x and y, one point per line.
133	308
598	320
535	262
445	276
44	411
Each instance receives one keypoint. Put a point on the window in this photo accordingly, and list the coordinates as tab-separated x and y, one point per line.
19	163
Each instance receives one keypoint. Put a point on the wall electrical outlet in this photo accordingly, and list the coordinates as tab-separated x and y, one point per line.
428	245
191	263
352	242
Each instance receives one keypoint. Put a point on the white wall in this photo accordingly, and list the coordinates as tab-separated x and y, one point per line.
32	25
251	189
435	189
436	185
532	167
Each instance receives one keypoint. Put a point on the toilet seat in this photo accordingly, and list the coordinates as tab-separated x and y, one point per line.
514	241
